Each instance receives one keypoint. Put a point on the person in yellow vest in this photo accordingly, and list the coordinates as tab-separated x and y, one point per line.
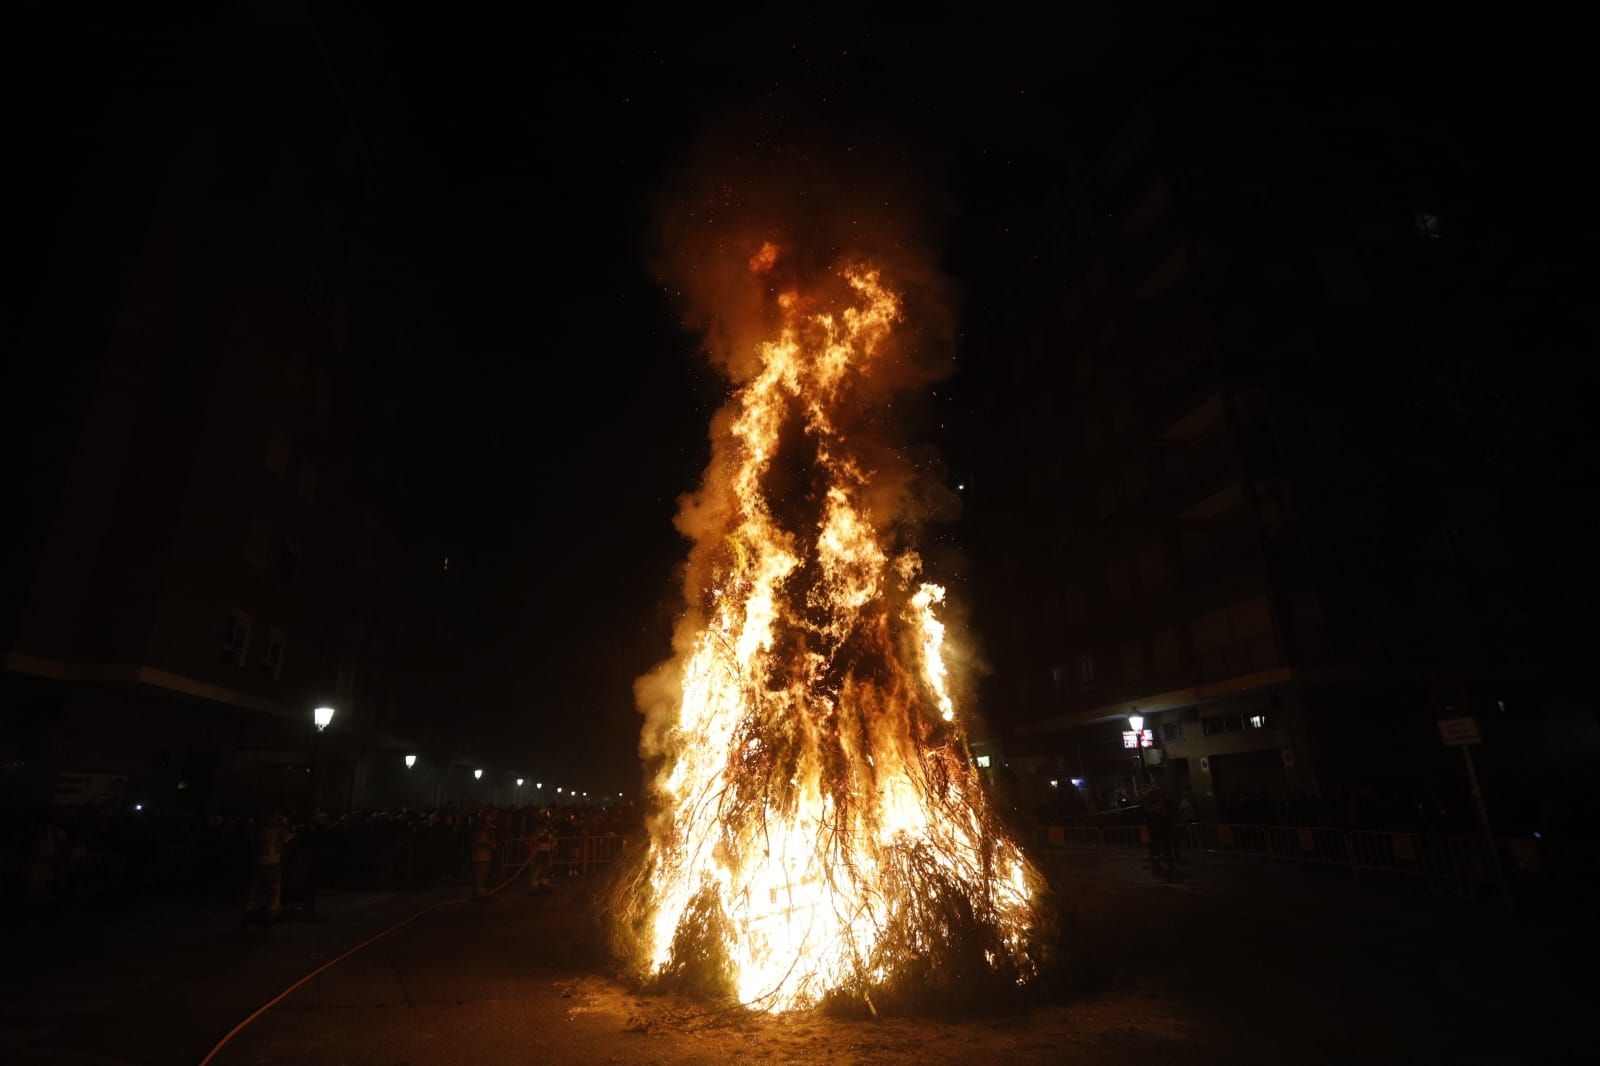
544	854
482	853
266	884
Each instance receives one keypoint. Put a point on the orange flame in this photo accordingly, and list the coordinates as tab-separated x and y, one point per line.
817	789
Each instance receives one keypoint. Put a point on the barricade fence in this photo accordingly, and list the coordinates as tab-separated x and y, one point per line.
183	868
580	854
1531	863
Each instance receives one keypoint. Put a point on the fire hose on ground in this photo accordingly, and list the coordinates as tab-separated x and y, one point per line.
331	963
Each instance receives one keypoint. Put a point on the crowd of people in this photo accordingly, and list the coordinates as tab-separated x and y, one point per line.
1379	806
66	854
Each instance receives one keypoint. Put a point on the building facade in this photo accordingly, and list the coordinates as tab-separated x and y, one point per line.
218	526
1236	486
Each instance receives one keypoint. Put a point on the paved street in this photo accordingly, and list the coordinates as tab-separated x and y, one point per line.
1222	965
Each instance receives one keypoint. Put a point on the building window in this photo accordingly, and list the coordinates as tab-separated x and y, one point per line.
983	762
1085	368
322	396
1117	581
278	451
1152	568
258	545
288	563
1166	651
1086	671
296	367
1165	275
1072	603
1150	208
308	481
1072	306
1172	731
1136	479
1096	278
1132	662
1125	419
345	684
272	661
236	636
1255	721
1427	224
1094	433
1105	504
1222	723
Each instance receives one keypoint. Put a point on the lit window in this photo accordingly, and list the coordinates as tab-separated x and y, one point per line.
1086	671
1258	721
983	762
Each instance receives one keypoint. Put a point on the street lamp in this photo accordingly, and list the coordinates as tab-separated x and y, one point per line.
411	760
1136	723
538	784
321	717
477	775
519	782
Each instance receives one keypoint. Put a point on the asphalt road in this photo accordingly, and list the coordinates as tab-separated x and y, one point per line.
1222	966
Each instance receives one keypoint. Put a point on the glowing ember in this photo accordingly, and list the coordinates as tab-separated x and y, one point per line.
819	828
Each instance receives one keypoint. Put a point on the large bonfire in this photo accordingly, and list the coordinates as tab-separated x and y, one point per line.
818	830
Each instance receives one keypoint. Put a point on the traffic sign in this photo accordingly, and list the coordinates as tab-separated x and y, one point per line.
1457	731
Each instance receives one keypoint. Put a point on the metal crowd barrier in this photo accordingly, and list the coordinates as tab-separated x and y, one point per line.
583	854
1454	860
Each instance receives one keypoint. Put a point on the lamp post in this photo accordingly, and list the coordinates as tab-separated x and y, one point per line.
321	718
411	760
1136	723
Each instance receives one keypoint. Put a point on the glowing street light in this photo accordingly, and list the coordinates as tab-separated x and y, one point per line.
477	775
519	782
1136	721
323	716
538	784
558	792
411	760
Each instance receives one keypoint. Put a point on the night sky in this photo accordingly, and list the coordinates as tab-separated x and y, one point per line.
573	407
554	154
584	406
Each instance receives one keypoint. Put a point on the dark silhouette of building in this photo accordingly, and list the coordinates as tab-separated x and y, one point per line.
1282	440
222	511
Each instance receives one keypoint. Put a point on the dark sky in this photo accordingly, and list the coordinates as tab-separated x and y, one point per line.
585	407
574	408
552	150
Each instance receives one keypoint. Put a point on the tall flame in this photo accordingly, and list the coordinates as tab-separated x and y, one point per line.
818	821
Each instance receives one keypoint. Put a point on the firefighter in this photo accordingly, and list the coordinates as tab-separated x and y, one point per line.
266	884
544	854
482	853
